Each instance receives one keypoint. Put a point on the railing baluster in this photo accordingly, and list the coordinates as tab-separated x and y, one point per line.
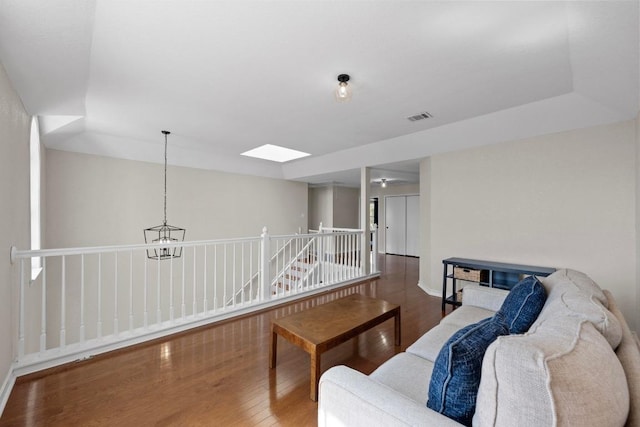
43	321
183	307
63	305
215	277
344	256
346	262
233	277
194	308
171	287
115	294
204	307
293	283
242	274
99	322
158	309
340	257
329	249
251	249
354	245
332	256
131	291
350	255
146	292
358	257
21	314
82	327
280	257
224	278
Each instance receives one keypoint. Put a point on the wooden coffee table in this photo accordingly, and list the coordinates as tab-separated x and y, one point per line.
325	326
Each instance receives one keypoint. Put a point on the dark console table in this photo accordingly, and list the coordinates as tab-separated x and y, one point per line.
486	273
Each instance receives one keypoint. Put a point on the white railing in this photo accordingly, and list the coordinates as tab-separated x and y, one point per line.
91	300
373	239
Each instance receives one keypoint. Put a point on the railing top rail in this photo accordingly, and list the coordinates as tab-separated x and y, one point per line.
28	253
293	236
17	254
354	230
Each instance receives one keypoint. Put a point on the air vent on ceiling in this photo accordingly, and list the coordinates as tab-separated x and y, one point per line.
420	116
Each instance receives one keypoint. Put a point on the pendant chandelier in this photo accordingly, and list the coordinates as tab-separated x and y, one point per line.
164	233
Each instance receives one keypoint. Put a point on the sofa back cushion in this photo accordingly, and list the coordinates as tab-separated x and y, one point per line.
523	304
456	373
571	293
563	373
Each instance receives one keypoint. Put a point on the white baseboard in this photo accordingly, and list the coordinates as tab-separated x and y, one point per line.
428	290
7	386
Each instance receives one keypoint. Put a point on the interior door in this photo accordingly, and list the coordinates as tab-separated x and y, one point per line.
413	224
395	213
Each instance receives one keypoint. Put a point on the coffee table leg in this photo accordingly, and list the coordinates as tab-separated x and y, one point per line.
273	350
397	327
315	374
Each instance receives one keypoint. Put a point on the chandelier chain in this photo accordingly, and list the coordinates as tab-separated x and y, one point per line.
165	178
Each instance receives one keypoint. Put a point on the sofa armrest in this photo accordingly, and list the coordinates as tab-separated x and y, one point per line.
484	297
349	398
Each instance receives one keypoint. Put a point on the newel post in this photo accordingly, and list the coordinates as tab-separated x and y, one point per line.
374	249
320	253
265	278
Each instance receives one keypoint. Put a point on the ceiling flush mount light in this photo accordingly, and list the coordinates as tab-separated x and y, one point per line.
164	233
275	153
383	183
343	92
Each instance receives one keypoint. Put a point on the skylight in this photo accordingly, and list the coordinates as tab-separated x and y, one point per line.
275	153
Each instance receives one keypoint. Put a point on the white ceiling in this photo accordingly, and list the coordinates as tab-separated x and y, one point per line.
225	77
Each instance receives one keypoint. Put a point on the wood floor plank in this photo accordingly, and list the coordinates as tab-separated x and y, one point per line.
219	375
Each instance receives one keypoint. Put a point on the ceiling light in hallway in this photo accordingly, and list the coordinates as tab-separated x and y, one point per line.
343	92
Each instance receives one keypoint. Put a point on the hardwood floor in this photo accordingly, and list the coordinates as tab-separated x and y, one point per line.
218	375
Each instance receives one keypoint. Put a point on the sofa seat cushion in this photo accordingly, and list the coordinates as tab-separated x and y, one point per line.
466	315
407	374
566	374
523	304
456	374
428	345
573	294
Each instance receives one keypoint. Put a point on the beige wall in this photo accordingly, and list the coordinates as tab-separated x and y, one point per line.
562	200
14	212
334	206
93	200
320	207
346	207
425	225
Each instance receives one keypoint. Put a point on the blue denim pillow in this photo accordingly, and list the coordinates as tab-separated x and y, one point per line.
456	372
523	305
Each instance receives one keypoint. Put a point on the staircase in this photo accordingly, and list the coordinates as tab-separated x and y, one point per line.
305	262
296	275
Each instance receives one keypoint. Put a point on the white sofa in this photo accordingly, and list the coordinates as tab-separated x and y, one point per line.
578	364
